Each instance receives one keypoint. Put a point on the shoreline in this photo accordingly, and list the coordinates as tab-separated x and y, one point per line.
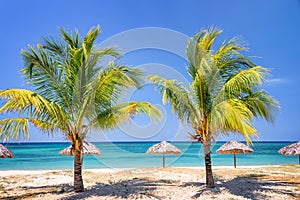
112	170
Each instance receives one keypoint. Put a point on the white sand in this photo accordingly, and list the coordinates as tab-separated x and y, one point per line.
244	182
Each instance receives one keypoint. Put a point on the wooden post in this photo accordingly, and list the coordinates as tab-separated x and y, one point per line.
164	163
234	160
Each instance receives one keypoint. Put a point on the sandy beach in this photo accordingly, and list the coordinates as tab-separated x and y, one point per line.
259	182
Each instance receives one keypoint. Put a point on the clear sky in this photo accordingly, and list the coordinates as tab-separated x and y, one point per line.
270	28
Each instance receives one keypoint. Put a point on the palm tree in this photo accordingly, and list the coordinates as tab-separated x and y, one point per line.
73	93
224	95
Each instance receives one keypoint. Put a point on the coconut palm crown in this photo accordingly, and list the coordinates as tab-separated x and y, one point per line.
72	93
224	95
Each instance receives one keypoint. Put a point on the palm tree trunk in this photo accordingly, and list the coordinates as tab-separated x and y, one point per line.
234	160
208	169
78	181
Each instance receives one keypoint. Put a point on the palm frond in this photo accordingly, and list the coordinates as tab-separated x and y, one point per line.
179	97
44	75
261	104
13	128
230	48
232	116
32	104
56	49
111	117
198	56
209	37
245	80
73	41
16	127
229	59
89	39
110	82
110	51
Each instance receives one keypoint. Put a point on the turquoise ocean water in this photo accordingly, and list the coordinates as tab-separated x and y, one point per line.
32	156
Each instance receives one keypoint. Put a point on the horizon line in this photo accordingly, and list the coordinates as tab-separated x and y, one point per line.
140	141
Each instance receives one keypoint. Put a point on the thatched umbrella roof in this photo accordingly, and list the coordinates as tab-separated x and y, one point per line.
234	147
292	149
88	148
163	148
5	152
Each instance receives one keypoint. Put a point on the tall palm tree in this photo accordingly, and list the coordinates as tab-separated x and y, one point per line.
73	93
224	95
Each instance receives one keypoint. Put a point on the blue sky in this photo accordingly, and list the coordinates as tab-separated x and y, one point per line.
270	28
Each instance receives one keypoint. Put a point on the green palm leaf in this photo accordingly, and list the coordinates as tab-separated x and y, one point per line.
111	117
31	104
13	128
179	97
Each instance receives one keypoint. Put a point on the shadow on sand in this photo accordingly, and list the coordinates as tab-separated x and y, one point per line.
32	192
134	188
248	186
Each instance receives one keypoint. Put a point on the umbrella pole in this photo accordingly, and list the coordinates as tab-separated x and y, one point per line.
234	160
299	159
164	162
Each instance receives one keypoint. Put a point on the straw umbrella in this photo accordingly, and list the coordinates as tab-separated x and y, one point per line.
5	152
88	148
163	148
234	147
292	149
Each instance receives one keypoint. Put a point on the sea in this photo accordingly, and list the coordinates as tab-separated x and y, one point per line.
42	156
